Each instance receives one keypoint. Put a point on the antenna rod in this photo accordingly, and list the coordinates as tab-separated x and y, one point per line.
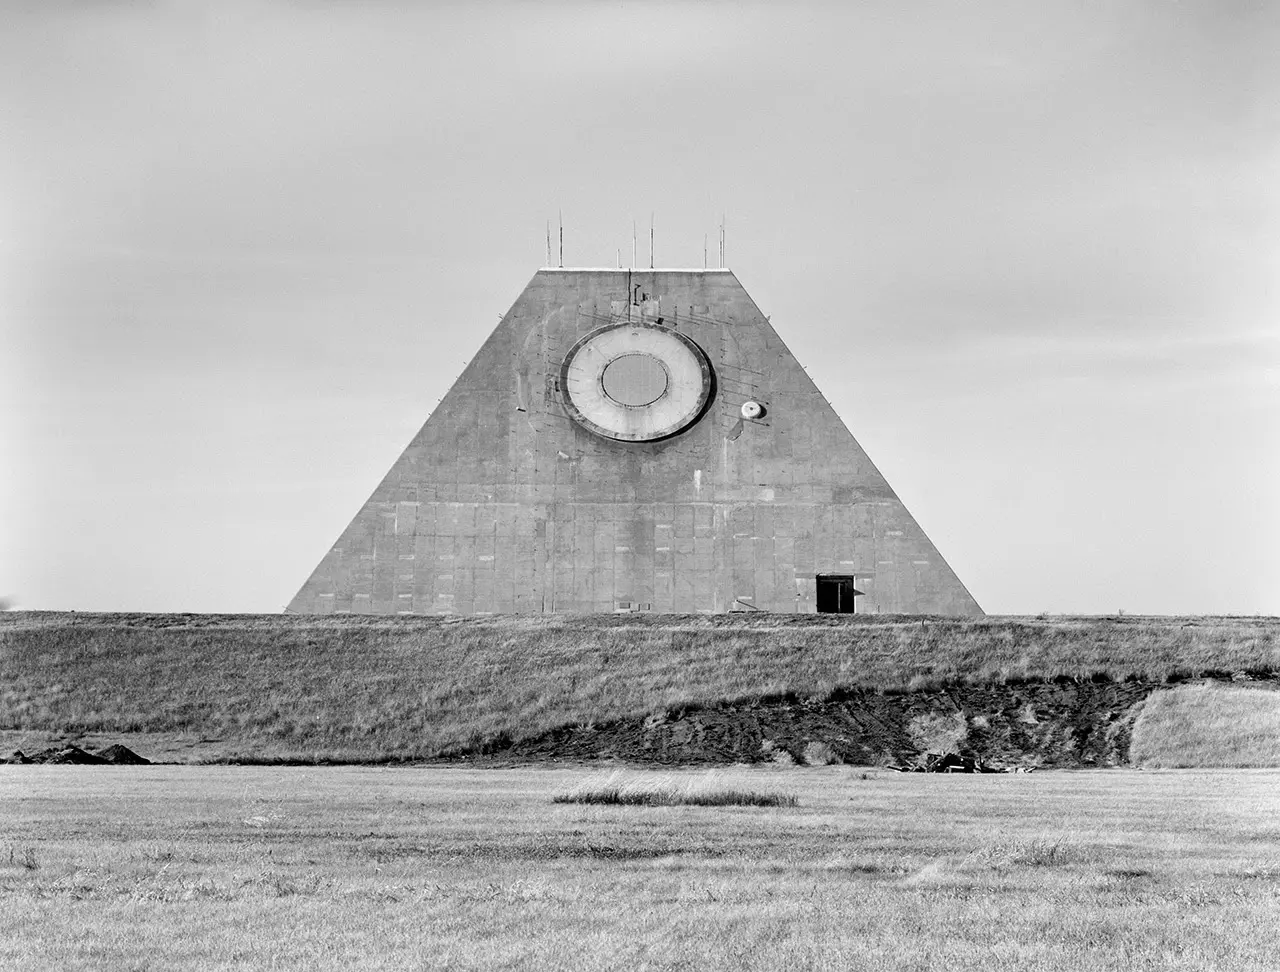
561	238
704	251
548	242
651	241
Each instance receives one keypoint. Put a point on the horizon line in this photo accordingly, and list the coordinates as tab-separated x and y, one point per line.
635	269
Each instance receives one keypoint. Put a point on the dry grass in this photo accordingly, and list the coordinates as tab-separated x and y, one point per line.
640	790
222	868
360	688
1208	725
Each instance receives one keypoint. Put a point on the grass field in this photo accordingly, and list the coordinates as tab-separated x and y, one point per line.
367	688
358	868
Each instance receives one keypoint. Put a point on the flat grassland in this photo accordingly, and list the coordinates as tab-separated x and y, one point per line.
189	868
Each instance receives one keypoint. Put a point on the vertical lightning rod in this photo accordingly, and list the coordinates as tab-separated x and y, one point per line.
562	238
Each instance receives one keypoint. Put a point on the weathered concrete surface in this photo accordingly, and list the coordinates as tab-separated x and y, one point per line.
502	503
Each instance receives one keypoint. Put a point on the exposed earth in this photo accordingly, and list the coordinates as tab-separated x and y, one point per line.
116	755
1065	723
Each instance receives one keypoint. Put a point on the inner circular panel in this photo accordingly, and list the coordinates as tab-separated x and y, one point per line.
634	379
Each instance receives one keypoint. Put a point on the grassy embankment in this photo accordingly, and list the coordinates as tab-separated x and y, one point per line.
1208	725
361	688
213	868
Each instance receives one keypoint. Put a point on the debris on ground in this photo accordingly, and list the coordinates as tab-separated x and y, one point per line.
954	763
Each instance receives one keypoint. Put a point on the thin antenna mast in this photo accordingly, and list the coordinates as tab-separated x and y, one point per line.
704	251
561	238
548	242
651	241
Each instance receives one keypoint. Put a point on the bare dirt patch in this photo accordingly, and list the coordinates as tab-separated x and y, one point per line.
1064	723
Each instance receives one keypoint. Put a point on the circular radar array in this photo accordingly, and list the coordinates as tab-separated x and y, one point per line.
636	382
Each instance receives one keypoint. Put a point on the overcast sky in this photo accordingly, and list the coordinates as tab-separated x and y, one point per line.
1029	251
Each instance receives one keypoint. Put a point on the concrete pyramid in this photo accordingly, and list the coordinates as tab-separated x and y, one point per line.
633	440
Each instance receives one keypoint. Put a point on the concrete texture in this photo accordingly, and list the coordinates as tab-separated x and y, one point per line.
502	503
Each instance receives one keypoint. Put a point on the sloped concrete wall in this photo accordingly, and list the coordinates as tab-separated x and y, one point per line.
502	503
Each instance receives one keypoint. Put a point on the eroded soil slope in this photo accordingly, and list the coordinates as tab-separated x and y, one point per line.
1060	723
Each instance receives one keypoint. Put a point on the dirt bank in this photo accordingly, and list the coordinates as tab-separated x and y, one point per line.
1062	723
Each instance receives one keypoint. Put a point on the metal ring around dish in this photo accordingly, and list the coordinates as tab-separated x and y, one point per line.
681	402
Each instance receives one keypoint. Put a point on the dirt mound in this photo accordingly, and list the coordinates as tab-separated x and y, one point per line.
68	755
123	756
116	755
1059	722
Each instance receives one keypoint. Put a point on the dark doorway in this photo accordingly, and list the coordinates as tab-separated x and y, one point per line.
836	594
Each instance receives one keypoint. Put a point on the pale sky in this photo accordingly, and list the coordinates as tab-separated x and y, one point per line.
1028	251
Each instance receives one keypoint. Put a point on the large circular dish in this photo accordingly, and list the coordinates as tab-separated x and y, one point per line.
635	382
